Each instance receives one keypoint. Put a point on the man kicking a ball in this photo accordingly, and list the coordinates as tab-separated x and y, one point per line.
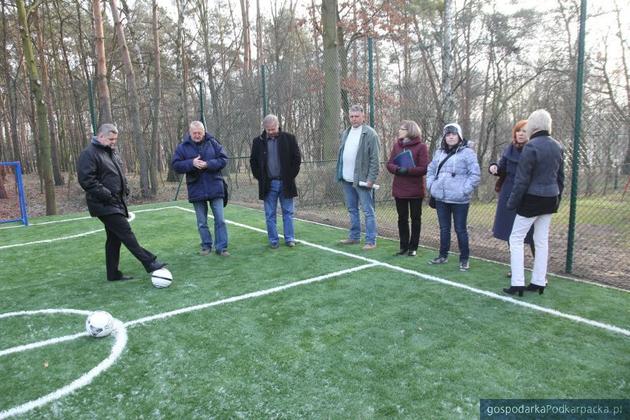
101	176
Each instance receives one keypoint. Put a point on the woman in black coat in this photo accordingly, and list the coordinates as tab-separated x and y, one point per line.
505	170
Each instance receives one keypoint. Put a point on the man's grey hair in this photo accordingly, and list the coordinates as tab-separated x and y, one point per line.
539	120
106	129
356	108
196	124
270	120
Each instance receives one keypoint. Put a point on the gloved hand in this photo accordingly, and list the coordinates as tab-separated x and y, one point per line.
401	171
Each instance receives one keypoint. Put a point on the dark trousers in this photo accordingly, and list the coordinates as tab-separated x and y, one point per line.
404	207
119	231
459	214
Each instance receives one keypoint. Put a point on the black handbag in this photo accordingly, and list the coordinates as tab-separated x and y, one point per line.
225	193
432	199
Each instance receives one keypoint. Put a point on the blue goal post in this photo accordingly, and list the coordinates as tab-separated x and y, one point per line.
12	198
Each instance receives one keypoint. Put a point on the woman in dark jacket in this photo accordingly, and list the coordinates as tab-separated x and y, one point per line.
408	162
535	196
506	171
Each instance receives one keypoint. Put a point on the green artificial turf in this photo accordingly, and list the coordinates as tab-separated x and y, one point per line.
373	343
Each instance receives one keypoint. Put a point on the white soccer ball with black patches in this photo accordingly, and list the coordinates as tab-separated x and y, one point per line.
99	324
161	278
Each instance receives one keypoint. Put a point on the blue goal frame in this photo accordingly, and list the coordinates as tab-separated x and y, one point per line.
21	197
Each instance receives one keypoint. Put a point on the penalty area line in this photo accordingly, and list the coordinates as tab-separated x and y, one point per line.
250	295
492	295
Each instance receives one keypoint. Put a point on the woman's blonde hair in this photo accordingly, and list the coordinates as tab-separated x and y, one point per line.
413	130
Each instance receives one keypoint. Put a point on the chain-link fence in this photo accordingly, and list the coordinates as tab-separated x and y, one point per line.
293	89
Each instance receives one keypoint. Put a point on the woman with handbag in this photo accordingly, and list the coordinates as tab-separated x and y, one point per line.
452	176
408	162
505	170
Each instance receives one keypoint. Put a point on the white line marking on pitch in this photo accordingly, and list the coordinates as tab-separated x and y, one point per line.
120	343
440	280
249	295
132	216
120	331
492	295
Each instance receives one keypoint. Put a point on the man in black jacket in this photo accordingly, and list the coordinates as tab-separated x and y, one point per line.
275	161
101	176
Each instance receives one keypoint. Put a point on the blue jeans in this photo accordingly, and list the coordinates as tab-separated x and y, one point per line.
365	197
459	214
271	205
220	228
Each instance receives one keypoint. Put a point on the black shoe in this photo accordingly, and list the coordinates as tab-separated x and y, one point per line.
401	252
531	287
514	290
121	278
155	265
411	253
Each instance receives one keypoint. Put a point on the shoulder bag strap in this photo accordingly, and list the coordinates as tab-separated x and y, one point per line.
443	162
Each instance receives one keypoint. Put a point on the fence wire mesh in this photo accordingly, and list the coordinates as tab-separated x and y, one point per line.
234	110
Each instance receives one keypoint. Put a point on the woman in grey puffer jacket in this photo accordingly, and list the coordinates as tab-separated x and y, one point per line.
452	176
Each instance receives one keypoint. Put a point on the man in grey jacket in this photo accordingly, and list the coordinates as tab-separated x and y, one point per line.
538	185
357	170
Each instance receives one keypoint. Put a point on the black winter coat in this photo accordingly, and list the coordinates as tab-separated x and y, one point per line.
290	160
100	174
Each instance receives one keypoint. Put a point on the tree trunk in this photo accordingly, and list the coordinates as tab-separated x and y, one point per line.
45	161
448	105
104	99
330	117
157	97
247	52
47	92
11	92
212	85
134	106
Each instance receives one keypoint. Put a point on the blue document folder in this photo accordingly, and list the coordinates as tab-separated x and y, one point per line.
405	160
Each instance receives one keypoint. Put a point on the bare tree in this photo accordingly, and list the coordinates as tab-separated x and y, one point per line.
156	103
448	104
134	105
104	99
330	117
44	158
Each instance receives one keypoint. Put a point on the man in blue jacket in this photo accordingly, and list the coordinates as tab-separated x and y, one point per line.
201	157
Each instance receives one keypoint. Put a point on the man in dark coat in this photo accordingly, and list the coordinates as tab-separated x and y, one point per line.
201	157
275	161
101	176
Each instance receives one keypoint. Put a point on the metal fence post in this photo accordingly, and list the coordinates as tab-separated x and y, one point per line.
263	89
575	164
91	101
371	80
202	111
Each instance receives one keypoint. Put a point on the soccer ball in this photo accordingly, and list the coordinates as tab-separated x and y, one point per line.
161	278
99	324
